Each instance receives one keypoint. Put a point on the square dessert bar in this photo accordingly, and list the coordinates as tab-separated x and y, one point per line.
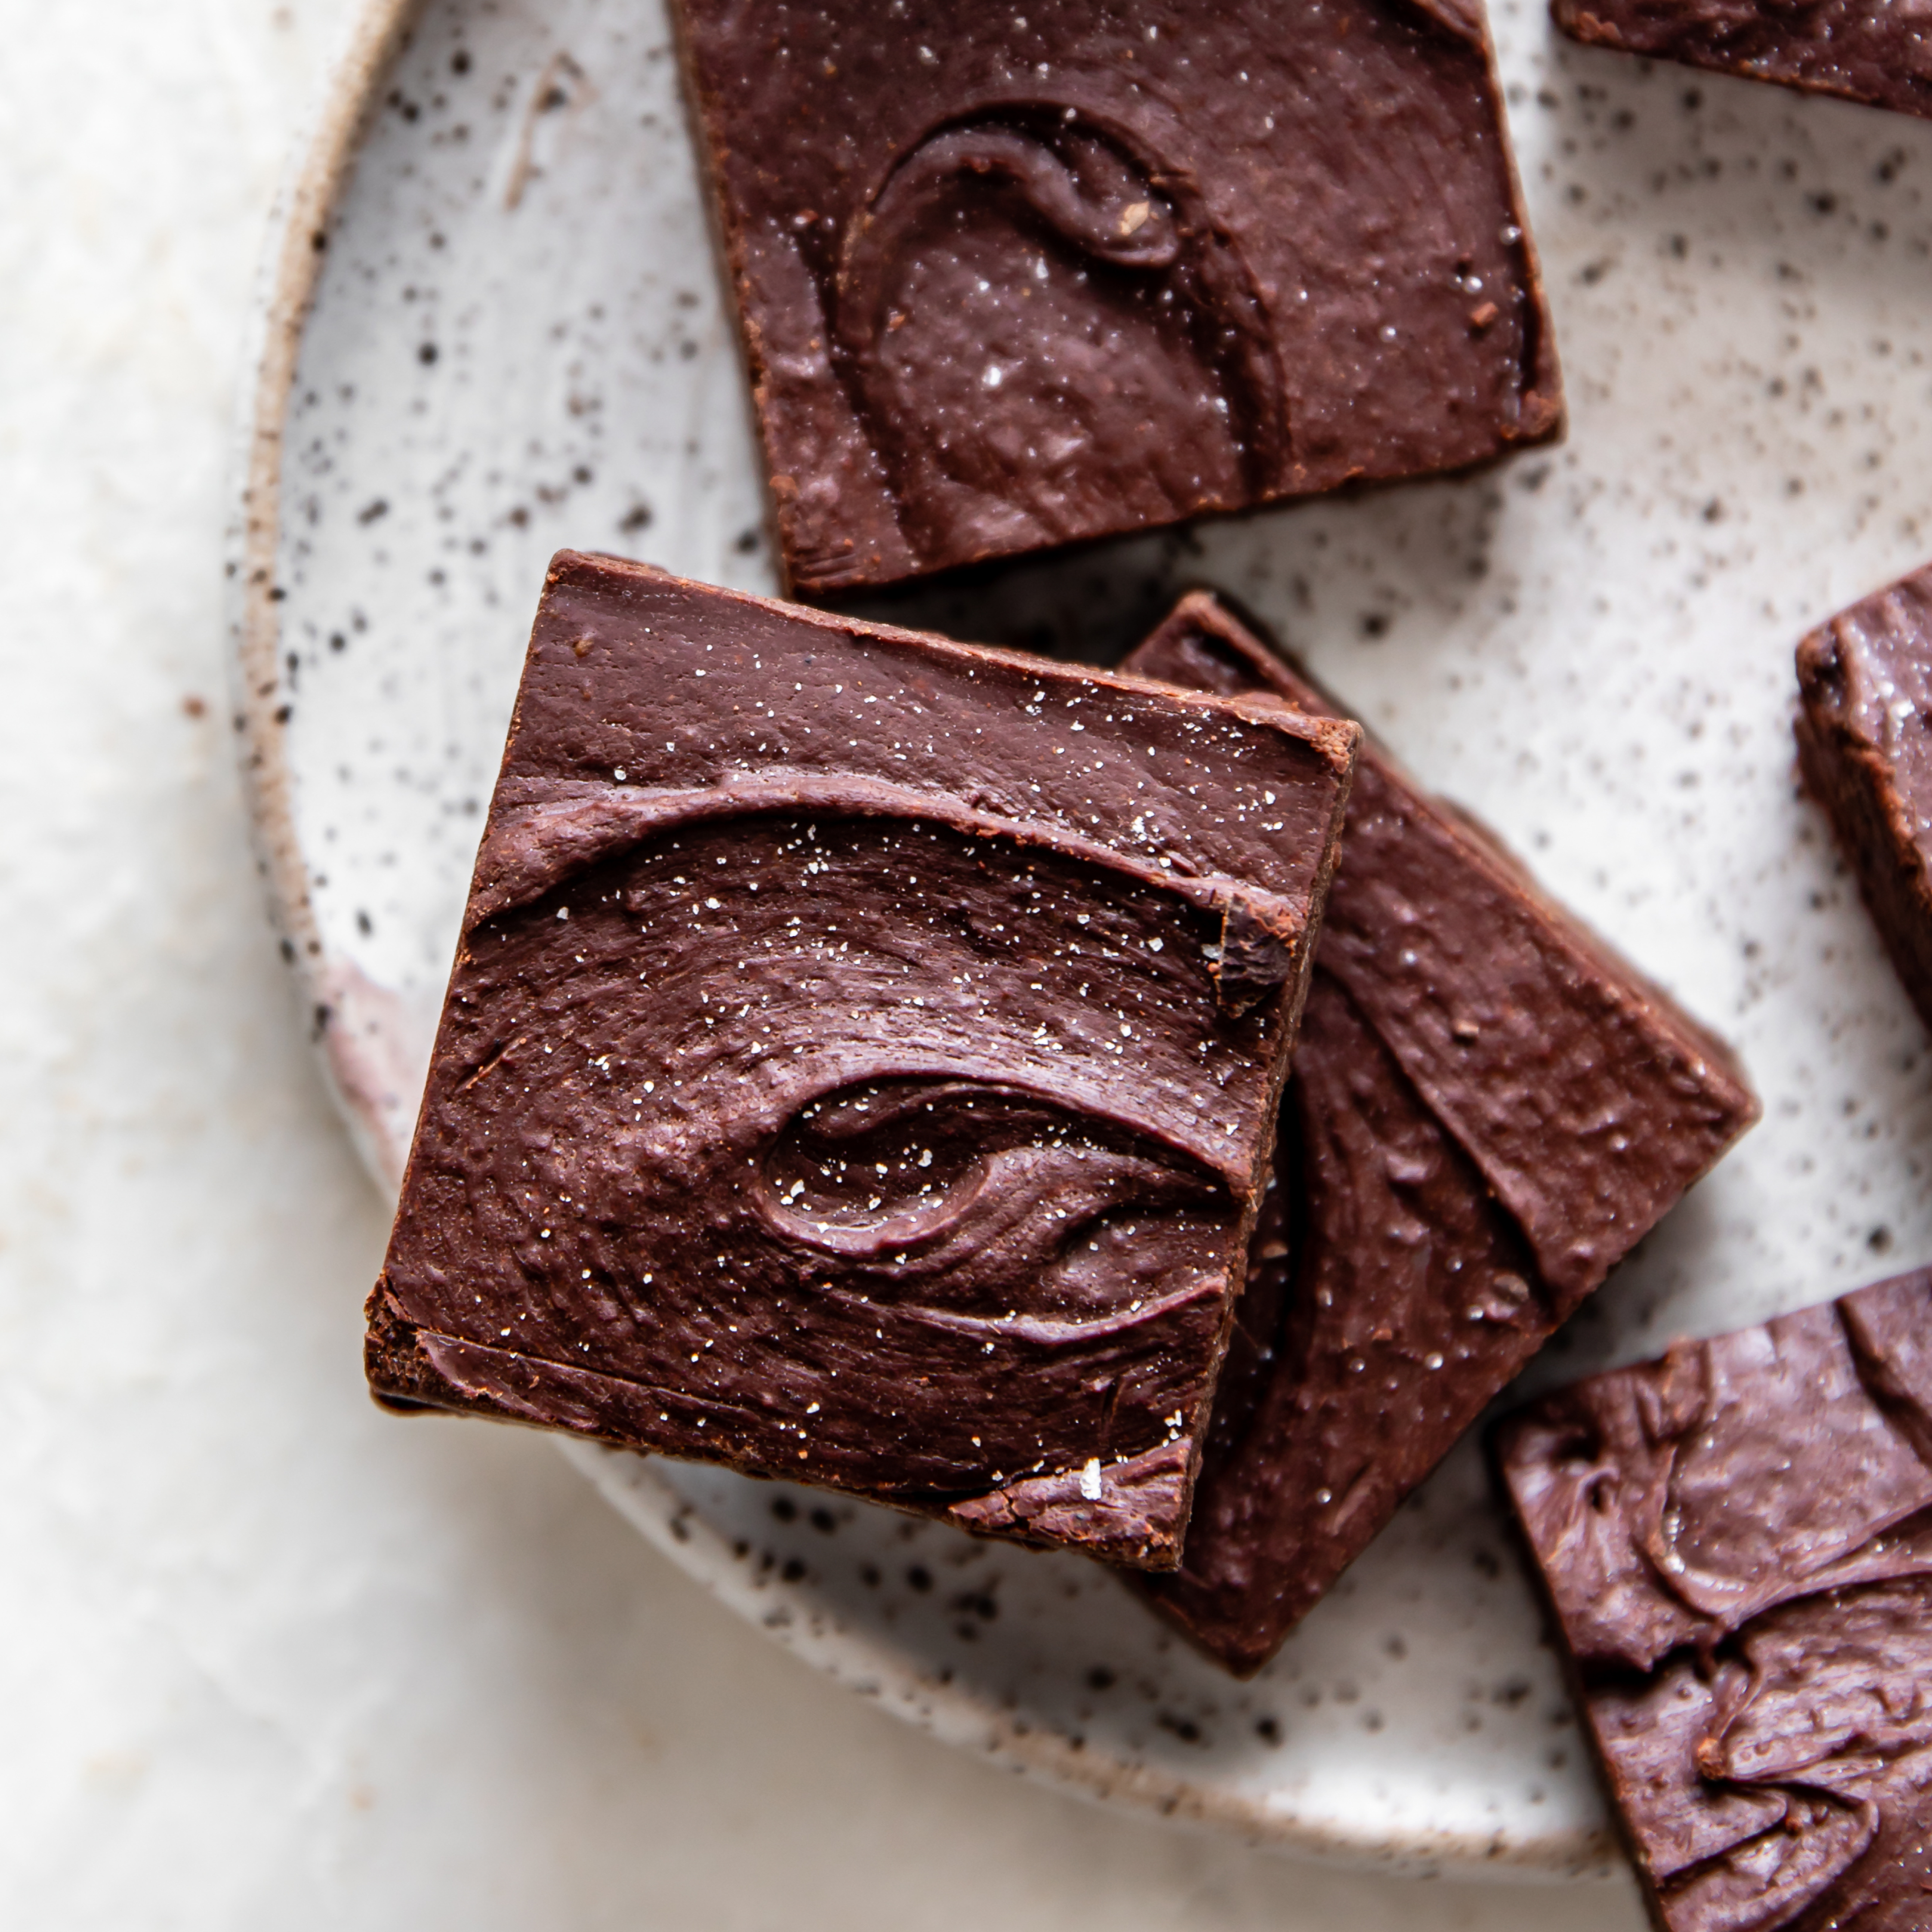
1868	50
1737	1542
862	1059
1488	1109
1013	276
1865	745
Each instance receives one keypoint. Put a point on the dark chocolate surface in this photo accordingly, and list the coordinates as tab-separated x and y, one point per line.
862	1059
1868	50
1737	1541
1864	743
1013	277
1488	1109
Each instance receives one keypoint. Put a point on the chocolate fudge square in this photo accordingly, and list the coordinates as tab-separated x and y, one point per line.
1737	1542
1488	1109
1867	50
862	1059
1865	745
1013	276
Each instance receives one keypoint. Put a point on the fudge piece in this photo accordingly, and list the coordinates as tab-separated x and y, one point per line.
1864	745
862	1059
1737	1542
1011	276
1867	50
1488	1109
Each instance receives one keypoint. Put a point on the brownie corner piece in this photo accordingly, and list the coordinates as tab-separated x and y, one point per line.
1736	1542
1862	50
860	1061
1864	726
1011	279
1474	1067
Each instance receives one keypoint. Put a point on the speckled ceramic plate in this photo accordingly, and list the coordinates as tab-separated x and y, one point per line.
492	326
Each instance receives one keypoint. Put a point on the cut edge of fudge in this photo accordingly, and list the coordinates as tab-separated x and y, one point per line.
1267	1453
983	131
1855	777
553	822
1740	1524
1857	60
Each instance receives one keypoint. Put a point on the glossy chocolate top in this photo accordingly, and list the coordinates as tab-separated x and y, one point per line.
1489	1109
1862	50
1738	1542
861	1058
1010	277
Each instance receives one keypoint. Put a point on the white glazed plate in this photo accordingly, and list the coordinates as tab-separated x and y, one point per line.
517	343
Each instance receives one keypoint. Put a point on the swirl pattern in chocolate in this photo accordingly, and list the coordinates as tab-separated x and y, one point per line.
1737	1541
1009	279
866	1079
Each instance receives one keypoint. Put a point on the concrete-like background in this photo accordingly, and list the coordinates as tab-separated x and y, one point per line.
268	1659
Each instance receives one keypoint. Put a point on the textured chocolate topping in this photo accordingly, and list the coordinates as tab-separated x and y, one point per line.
1737	1541
861	1060
1877	51
1011	278
1488	1110
1864	743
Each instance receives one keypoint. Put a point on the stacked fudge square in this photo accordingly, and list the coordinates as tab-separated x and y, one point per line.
861	1061
868	1060
1124	1111
1488	1111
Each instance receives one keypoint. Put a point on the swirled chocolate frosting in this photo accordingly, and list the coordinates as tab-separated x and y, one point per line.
862	1059
1865	745
1488	1110
1737	1542
1011	277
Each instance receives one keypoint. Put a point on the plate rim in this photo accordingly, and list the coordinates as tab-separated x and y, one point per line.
323	160
637	1489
